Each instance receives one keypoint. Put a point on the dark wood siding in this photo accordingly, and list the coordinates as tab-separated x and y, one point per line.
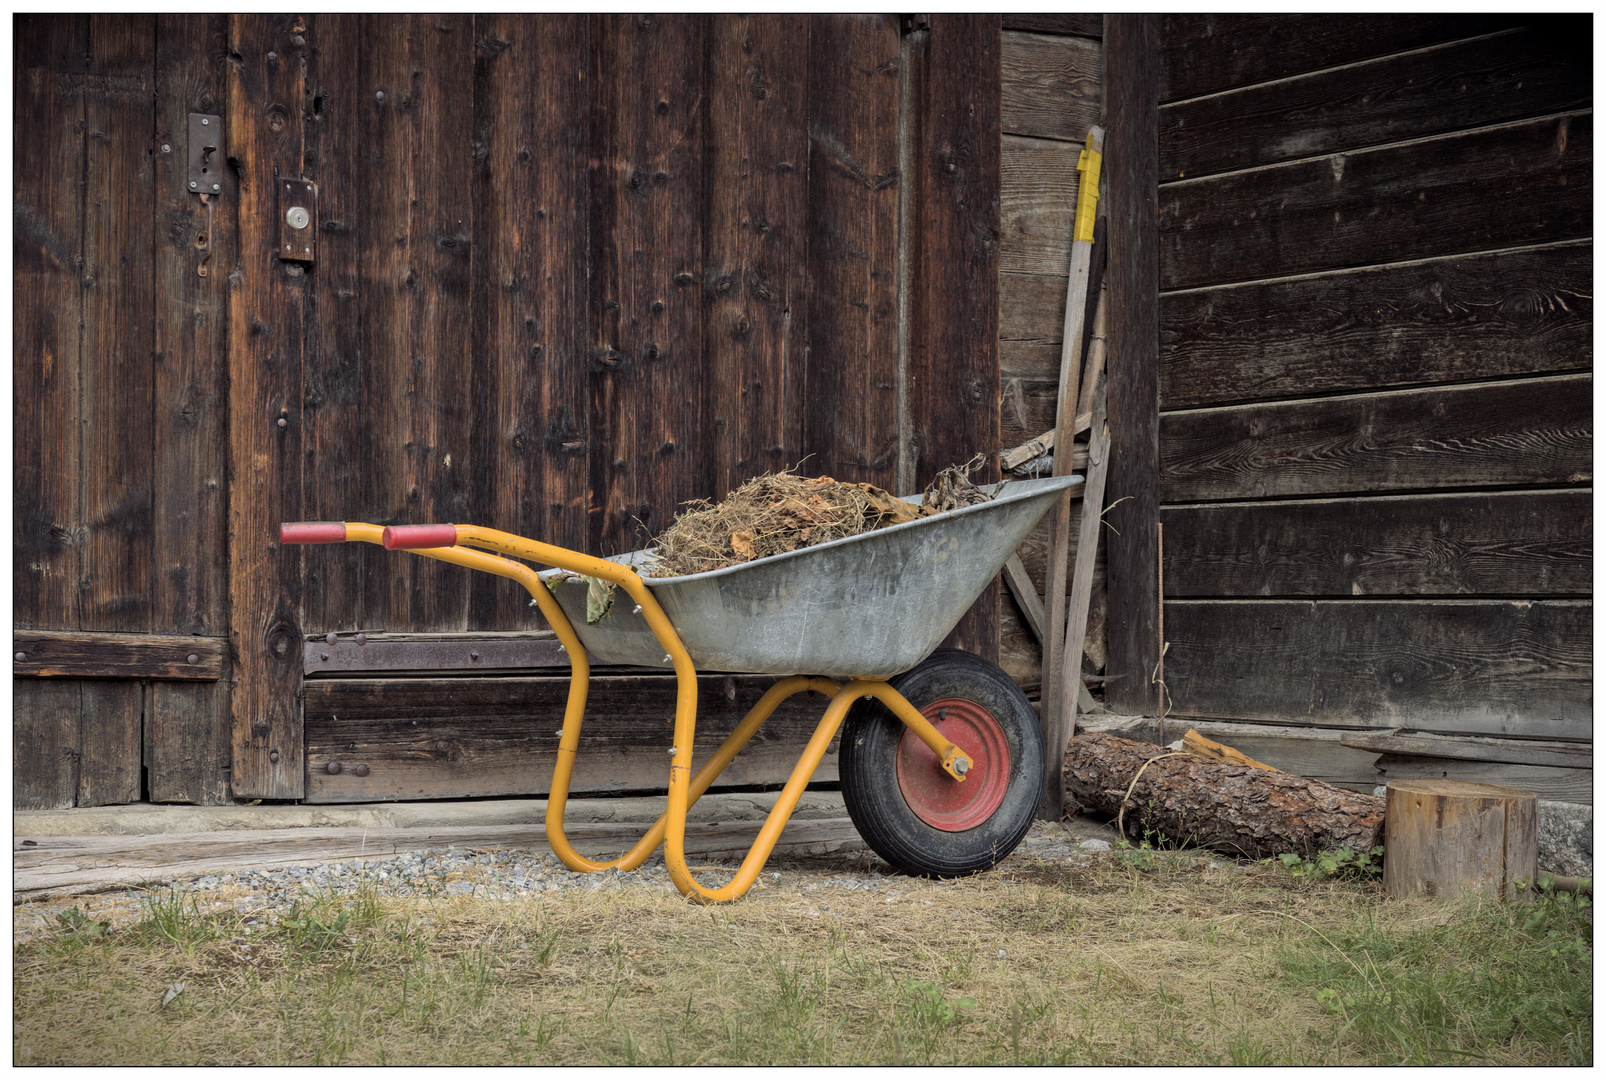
1376	344
570	272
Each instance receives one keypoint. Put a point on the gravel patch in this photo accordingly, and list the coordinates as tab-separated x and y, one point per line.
533	876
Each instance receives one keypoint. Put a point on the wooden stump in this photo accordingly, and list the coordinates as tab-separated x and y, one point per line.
1442	836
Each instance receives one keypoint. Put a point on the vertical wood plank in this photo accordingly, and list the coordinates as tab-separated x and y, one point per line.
530	355
851	405
1132	164
44	743
755	243
187	732
953	339
47	260
647	187
266	319
118	370
337	431
187	725
110	737
389	96
441	67
48	147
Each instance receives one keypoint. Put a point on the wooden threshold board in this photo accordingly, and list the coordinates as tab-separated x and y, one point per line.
50	866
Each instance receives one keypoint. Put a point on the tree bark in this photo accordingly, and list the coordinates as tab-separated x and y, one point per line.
1235	809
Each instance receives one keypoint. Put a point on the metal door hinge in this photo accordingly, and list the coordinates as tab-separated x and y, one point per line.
204	173
297	211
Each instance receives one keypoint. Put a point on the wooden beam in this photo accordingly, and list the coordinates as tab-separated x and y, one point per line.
264	135
1025	593
1511	543
433	738
1466	748
1524	182
1526	432
1478	667
1208	53
1132	67
1462	84
953	380
74	865
1070	691
82	654
1459	318
1086	251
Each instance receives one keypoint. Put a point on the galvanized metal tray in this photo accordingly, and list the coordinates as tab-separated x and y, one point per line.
867	606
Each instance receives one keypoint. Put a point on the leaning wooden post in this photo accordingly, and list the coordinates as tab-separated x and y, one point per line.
1443	836
1076	288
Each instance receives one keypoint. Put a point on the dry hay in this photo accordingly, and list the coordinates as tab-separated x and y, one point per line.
781	512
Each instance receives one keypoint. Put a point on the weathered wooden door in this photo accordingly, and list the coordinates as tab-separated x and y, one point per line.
572	272
558	274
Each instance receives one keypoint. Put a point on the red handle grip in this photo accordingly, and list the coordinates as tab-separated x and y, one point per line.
312	532
419	536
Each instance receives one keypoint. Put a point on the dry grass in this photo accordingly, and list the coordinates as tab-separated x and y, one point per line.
1178	964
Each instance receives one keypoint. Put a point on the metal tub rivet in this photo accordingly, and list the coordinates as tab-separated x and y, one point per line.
331	637
20	656
361	639
273	756
361	770
194	658
333	768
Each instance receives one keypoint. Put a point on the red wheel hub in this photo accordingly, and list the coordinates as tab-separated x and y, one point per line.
937	798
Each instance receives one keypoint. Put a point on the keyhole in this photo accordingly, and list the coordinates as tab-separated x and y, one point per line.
200	240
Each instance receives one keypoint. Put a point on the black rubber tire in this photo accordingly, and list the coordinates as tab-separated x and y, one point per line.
867	765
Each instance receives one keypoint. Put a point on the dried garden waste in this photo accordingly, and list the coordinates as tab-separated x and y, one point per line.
781	512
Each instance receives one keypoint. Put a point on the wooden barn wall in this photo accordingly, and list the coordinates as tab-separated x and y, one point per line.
1376	322
119	481
1052	92
570	272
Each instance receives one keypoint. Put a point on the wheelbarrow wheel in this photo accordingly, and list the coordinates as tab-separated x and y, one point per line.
911	812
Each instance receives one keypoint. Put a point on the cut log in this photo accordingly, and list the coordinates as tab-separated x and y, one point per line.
1235	809
1445	836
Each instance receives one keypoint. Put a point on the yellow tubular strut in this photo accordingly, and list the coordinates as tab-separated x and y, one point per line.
684	788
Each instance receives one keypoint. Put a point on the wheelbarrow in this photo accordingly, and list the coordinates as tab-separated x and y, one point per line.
941	758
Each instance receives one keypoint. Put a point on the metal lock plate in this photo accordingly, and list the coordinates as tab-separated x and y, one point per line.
297	213
203	174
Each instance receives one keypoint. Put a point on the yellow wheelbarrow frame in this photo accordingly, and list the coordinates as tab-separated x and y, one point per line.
457	543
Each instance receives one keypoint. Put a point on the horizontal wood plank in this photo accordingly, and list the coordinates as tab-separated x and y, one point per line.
1037	206
75	865
1051	22
1488	667
1031	322
1523	183
1533	431
1488	80
1553	785
1500	314
73	654
1511	751
437	738
1051	86
1524	543
415	653
1201	54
